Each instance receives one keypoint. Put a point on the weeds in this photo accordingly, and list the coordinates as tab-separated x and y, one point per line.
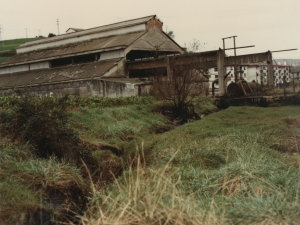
236	166
146	196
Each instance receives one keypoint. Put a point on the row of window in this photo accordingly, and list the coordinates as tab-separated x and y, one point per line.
75	60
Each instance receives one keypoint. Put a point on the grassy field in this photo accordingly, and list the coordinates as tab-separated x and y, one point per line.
235	166
3	59
8	47
239	165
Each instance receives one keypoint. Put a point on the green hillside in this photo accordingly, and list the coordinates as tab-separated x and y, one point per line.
8	47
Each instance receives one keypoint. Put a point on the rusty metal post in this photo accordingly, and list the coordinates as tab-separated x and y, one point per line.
270	77
221	71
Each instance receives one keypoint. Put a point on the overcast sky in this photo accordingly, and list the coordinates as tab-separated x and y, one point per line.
267	24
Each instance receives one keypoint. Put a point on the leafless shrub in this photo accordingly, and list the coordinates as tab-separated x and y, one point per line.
186	79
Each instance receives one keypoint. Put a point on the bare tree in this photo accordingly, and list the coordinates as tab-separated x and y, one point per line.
186	79
171	34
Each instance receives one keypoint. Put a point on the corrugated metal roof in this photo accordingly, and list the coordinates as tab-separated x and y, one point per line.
61	74
92	30
96	45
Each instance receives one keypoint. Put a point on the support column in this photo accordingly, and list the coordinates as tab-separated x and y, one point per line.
221	72
169	68
270	76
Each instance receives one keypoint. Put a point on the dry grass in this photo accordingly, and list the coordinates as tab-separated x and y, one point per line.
147	196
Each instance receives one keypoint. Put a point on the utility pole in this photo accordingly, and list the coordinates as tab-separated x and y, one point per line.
236	78
235	66
57	26
39	33
26	32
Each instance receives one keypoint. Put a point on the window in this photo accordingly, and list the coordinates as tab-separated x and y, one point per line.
84	58
61	62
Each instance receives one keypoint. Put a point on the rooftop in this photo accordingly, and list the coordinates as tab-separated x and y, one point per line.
96	45
85	71
113	26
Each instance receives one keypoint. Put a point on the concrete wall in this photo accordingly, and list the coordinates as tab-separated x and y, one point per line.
79	88
142	90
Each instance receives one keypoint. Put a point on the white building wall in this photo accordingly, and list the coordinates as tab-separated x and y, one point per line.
112	54
14	69
26	67
76	38
214	75
251	74
39	65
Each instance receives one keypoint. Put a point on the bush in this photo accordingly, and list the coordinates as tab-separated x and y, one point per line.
42	123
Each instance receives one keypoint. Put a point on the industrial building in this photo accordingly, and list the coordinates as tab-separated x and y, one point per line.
91	62
116	60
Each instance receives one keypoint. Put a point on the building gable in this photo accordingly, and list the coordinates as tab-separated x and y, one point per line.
155	40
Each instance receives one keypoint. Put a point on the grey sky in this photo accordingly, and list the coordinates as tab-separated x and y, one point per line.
267	24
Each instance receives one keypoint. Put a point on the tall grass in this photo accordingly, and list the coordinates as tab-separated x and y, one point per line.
117	124
33	188
236	166
224	169
147	196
